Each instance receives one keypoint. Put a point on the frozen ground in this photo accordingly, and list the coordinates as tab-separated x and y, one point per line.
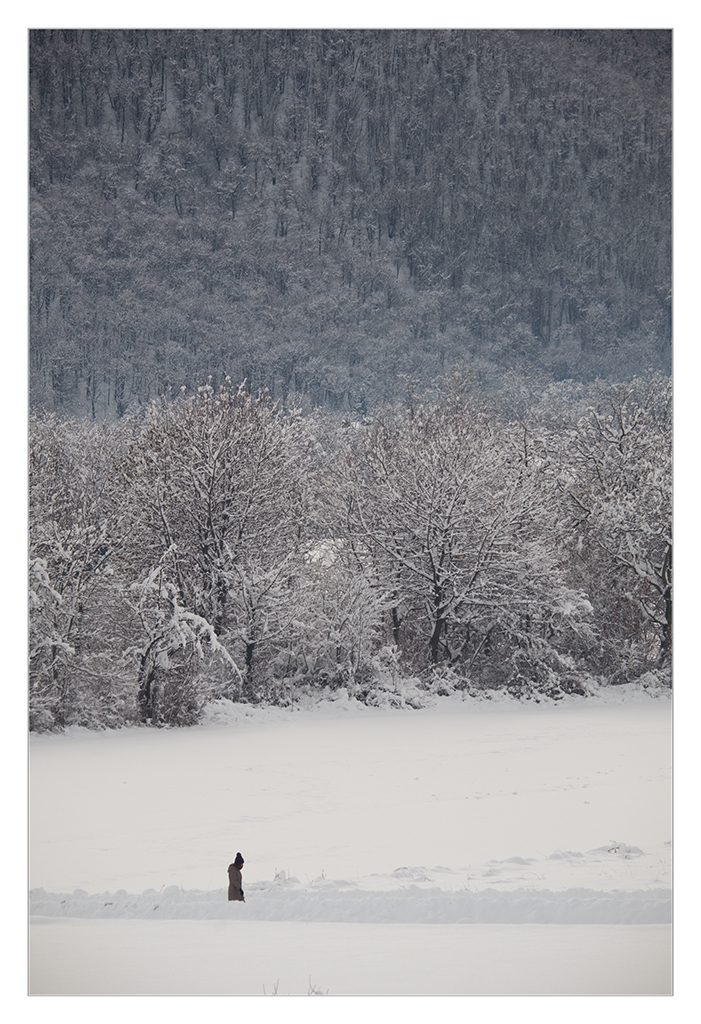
533	816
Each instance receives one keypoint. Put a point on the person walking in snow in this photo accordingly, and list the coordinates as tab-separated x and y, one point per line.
235	886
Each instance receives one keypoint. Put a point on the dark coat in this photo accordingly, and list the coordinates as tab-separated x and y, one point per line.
235	886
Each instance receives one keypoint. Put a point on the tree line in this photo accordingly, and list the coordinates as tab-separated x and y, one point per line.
222	544
320	211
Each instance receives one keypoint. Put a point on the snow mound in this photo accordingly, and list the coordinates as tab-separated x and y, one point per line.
407	694
620	850
417	874
410	905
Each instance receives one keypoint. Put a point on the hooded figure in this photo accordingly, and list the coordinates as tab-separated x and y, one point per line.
235	887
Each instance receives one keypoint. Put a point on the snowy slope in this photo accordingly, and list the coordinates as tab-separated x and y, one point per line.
469	795
466	816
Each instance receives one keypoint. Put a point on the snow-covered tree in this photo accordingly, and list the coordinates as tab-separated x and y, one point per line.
450	512
218	545
75	535
616	472
172	653
220	481
339	618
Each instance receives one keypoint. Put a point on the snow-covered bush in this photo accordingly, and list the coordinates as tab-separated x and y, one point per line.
444	680
338	621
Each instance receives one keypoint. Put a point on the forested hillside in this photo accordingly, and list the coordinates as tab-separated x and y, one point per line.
337	216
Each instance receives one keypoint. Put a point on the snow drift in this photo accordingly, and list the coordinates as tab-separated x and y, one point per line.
409	905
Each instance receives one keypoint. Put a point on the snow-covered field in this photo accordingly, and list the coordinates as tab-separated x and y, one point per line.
258	958
530	842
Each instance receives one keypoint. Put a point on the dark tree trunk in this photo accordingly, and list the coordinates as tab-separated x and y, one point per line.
396	623
666	648
146	692
435	642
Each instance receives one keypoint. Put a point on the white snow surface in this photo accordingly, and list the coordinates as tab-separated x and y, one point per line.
74	957
464	815
463	795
